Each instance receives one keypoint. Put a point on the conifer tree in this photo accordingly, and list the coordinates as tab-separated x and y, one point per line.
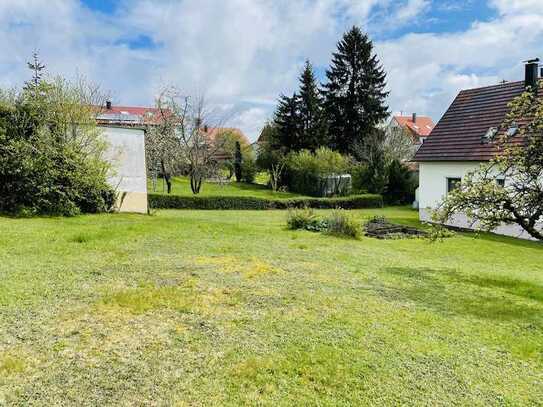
355	92
313	130
287	121
37	67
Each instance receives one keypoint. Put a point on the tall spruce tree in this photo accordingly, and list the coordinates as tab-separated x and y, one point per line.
287	121
355	92
310	108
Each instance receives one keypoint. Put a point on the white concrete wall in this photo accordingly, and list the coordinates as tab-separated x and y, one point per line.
127	154
433	188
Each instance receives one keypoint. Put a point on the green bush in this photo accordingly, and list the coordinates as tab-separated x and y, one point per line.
159	201
305	218
306	171
401	184
248	170
341	223
51	154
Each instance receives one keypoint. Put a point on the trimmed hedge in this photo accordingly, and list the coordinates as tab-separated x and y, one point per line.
158	201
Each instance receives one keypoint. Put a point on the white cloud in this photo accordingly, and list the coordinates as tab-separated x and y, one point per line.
244	53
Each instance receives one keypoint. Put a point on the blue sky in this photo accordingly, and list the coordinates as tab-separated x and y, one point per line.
241	54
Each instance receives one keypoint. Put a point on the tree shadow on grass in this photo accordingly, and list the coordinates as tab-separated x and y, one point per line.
451	292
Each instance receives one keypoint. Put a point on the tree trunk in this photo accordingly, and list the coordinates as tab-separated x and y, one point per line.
195	183
167	177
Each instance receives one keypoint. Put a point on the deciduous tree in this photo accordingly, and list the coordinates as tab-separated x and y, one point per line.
519	163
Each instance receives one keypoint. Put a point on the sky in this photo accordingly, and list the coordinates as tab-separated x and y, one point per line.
242	54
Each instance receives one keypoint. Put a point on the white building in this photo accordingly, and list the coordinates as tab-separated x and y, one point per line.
459	144
123	128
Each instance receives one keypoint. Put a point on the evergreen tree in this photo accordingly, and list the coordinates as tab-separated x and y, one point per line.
355	93
238	162
287	121
313	131
37	67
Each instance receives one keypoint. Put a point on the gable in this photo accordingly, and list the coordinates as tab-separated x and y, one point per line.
458	136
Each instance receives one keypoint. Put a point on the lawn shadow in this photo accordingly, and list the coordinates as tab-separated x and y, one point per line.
451	292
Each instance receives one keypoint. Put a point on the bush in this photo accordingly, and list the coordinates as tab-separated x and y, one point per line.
159	201
48	164
306	219
309	173
401	184
248	170
341	223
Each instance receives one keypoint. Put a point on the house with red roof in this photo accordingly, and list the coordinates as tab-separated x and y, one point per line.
461	142
418	128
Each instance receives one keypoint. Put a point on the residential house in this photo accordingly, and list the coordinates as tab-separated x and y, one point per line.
418	128
459	144
124	130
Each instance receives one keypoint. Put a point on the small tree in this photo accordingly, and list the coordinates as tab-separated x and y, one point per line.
238	162
519	162
372	153
161	143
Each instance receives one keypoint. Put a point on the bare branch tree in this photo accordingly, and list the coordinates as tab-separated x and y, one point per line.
179	138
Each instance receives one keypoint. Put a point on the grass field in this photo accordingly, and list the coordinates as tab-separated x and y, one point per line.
230	308
181	186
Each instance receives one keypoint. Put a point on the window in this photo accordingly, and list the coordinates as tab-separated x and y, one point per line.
500	182
453	184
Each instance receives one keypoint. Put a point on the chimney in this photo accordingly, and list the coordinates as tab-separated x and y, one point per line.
531	73
414	118
108	104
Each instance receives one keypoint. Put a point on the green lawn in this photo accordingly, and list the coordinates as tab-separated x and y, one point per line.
230	308
181	186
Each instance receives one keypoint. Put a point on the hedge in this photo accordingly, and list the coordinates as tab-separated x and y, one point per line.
158	201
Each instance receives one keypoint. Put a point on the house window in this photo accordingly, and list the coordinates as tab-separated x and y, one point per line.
453	184
500	182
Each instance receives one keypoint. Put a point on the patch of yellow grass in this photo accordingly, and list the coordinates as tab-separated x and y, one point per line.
229	264
11	364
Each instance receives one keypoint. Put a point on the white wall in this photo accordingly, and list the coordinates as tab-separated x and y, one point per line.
433	188
127	154
433	179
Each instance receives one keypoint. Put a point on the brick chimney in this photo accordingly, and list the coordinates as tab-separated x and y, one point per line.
531	73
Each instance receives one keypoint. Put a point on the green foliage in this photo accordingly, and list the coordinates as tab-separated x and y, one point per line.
306	219
248	170
299	119
355	96
157	201
401	185
342	223
51	153
305	171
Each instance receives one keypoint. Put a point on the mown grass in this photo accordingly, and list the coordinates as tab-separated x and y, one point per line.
181	186
230	308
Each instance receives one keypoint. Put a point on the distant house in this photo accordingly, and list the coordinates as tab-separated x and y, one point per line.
418	128
124	129
214	133
459	144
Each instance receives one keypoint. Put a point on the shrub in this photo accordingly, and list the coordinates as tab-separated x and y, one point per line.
51	154
306	219
307	172
341	223
401	185
159	201
248	170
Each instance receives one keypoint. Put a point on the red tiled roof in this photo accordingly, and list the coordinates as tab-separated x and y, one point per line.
129	115
458	136
422	126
